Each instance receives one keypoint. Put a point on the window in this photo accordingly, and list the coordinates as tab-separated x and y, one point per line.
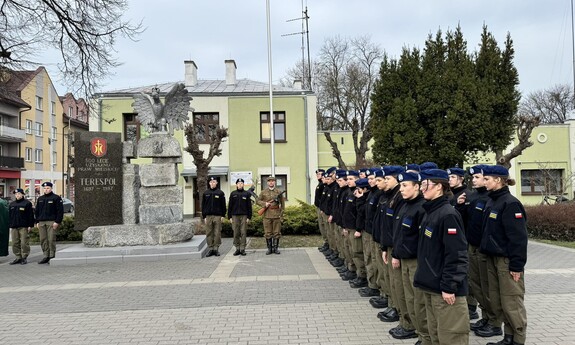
1	150
53	108
281	184
38	153
205	126
70	111
28	153
131	127
39	102
54	158
279	127
28	126
39	129
54	133
542	181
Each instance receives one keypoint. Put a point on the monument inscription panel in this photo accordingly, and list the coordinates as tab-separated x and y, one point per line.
98	179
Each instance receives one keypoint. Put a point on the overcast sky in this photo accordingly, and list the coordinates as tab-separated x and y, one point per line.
210	32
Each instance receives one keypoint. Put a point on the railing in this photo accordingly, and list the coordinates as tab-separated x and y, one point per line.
11	162
12	133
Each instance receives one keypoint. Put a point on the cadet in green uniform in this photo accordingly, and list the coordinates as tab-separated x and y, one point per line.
49	214
240	212
213	211
442	263
273	214
21	222
504	241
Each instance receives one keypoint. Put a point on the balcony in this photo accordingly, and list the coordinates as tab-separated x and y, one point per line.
11	162
11	134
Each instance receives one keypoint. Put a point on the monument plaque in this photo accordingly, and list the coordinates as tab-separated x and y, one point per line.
98	179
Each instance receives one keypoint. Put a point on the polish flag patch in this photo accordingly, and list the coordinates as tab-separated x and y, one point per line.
518	215
452	231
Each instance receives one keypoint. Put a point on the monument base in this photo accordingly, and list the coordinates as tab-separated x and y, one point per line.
79	254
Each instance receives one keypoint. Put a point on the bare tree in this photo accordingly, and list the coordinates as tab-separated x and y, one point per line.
202	163
343	76
550	105
84	33
525	125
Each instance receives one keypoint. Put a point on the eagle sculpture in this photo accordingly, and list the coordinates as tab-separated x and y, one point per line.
158	117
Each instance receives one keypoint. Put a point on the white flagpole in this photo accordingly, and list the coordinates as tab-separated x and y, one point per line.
272	129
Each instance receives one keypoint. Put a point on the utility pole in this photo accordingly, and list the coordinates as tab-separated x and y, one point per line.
306	67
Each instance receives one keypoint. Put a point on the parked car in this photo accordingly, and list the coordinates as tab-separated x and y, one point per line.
68	205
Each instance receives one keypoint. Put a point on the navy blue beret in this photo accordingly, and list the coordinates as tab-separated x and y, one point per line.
19	190
456	171
320	171
428	165
476	169
495	170
378	173
47	184
362	183
330	170
392	170
434	174
239	180
412	166
352	173
408	176
362	170
340	173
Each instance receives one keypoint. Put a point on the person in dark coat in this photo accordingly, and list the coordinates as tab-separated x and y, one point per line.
240	212
442	263
4	229
316	202
21	223
504	241
49	214
213	211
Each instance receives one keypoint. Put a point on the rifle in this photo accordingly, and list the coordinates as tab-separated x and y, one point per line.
275	200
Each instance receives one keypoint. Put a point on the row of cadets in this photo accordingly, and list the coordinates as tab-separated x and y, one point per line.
319	174
325	209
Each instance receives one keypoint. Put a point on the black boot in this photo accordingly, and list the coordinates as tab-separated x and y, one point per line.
276	246
237	252
472	312
269	243
507	340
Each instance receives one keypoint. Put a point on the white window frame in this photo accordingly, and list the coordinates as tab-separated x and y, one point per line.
54	158
38	153
39	103
28	154
54	134
53	108
29	127
39	129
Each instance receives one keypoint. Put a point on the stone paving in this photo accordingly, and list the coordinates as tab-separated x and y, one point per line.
292	298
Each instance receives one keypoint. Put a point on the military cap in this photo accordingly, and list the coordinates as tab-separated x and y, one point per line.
320	171
433	174
271	178
362	183
476	169
392	170
456	171
378	173
412	166
352	173
47	184
19	190
331	170
239	180
340	173
428	165
495	170
408	176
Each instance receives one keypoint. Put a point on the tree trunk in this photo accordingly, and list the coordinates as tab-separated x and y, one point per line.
524	129
335	151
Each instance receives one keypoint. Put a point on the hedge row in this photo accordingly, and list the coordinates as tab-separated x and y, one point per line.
551	222
300	219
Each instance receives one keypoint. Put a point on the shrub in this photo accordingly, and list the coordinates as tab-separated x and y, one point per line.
551	222
66	232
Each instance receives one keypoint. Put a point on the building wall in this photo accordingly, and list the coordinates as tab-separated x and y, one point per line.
49	169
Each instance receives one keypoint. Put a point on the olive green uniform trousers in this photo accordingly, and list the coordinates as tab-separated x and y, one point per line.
447	324
20	242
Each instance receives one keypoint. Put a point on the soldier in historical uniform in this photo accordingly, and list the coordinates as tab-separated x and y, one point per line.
49	214
213	211
240	212
21	222
272	200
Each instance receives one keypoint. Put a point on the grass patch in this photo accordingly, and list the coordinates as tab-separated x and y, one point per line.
292	241
558	243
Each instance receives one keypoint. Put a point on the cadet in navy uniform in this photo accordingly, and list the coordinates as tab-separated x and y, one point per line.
316	202
49	214
213	211
504	241
240	212
21	216
442	263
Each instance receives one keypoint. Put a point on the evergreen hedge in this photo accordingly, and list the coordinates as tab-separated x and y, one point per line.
551	222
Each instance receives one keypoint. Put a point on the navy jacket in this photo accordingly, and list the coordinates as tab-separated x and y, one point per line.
318	193
240	204
394	203
504	229
378	216
349	210
21	214
472	214
49	207
406	228
213	203
361	206
442	260
371	208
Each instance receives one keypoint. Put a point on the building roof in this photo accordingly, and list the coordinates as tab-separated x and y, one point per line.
16	81
214	87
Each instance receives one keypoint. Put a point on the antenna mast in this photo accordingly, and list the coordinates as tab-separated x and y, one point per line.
306	67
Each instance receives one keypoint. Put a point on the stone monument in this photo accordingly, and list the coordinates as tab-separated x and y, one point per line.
151	225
